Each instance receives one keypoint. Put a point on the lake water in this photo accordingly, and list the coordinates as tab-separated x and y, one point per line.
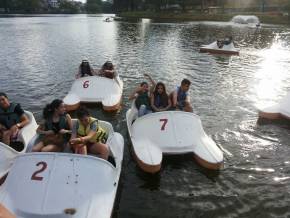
40	55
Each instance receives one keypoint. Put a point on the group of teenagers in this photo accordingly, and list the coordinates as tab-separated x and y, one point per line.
154	98
58	132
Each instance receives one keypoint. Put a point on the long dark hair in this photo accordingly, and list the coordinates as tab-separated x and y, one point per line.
108	66
163	96
50	108
3	94
86	68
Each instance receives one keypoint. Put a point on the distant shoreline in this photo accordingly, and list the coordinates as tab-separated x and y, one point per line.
264	18
46	14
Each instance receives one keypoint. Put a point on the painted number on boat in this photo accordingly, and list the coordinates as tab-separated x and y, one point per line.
35	175
86	84
164	122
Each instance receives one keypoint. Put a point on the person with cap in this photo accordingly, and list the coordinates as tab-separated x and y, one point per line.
85	69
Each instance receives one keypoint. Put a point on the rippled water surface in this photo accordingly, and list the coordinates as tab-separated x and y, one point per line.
40	55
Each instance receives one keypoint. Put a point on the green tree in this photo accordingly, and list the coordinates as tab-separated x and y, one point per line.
25	6
69	7
94	6
107	7
4	4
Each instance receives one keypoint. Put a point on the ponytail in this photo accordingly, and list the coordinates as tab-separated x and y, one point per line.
47	112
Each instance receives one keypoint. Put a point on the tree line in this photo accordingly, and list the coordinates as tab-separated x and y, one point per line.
159	5
185	5
64	6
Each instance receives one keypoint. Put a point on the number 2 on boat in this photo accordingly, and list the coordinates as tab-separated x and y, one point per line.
34	175
86	84
163	124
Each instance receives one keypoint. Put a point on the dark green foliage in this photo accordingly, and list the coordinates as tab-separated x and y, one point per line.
69	7
25	6
4	4
156	5
93	6
107	7
65	6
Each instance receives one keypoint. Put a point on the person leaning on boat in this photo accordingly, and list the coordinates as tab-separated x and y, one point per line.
226	41
180	98
159	99
88	136
108	70
55	129
85	69
12	119
142	96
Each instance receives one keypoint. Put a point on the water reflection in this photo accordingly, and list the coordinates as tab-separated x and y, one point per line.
272	74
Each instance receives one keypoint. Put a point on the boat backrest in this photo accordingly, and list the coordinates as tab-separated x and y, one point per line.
7	156
27	132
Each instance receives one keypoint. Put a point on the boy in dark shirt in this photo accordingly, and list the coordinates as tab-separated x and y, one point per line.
12	118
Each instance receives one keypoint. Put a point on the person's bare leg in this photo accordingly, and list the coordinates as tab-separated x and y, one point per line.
1	135
188	107
51	148
38	147
2	130
81	149
6	137
100	149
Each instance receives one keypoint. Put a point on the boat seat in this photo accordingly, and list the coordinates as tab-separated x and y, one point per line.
148	152
111	100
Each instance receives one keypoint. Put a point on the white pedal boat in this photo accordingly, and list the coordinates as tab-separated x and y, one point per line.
8	154
108	19
226	49
245	19
59	185
170	132
94	89
278	111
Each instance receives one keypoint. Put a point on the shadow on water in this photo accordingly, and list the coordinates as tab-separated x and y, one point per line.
179	162
150	181
283	123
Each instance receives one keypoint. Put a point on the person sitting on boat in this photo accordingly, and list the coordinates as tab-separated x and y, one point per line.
219	43
88	136
228	40
142	96
54	132
12	119
108	70
85	69
180	98
160	101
